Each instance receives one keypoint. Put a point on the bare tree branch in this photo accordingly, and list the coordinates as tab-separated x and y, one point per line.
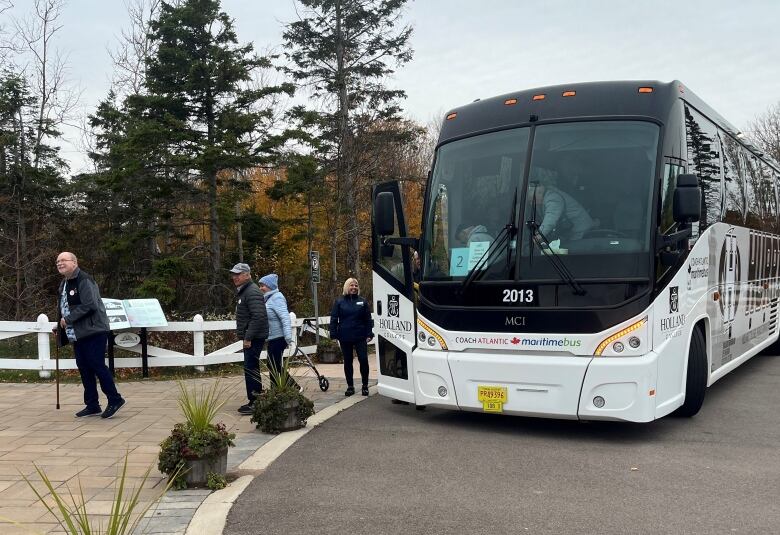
765	130
134	47
56	98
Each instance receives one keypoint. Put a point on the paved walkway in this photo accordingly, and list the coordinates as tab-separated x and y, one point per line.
90	451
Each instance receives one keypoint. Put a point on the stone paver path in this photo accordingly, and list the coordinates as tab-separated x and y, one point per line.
90	451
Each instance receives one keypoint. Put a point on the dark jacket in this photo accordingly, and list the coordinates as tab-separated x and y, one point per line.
251	316
350	319
87	314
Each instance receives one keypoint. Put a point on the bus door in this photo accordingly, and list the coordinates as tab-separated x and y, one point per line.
395	316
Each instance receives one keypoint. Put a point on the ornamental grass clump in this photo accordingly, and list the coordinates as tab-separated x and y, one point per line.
198	438
71	512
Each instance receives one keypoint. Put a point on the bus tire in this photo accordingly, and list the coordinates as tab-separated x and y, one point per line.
696	378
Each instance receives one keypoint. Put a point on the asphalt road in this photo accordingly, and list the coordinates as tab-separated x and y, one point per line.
380	468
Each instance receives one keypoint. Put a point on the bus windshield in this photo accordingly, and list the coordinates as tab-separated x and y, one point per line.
585	195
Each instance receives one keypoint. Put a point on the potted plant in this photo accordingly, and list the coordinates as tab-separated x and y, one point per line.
282	406
328	351
196	448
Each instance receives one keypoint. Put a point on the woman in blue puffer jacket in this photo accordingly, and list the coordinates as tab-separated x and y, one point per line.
352	325
279	326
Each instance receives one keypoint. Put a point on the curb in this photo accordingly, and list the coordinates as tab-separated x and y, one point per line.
212	514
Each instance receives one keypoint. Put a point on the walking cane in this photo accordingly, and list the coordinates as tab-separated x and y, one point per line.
57	364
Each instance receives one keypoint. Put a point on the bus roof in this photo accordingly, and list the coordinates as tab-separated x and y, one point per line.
578	100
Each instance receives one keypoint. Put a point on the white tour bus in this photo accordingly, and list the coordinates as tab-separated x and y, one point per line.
601	251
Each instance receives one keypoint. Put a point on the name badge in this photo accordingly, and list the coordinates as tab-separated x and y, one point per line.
360	303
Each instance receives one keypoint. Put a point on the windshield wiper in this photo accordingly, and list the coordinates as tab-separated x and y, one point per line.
549	252
504	236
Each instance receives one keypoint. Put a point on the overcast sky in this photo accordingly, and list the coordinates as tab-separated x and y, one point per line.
726	51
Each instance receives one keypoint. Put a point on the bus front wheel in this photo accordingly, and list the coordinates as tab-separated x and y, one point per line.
696	378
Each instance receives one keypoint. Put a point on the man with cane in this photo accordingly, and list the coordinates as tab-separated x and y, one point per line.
82	321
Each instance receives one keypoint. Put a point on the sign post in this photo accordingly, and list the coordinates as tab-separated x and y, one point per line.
314	264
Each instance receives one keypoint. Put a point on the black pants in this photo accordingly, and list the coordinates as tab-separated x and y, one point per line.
252	368
91	362
275	349
361	348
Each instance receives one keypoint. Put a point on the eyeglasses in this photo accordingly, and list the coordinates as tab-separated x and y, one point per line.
58	262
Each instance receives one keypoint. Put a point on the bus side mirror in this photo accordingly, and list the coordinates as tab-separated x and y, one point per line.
686	205
384	214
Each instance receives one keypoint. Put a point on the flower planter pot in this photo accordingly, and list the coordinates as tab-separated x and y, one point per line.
293	421
197	470
329	355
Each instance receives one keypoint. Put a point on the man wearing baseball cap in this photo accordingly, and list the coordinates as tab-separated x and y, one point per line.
251	327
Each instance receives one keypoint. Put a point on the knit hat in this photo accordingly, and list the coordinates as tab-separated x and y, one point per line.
271	280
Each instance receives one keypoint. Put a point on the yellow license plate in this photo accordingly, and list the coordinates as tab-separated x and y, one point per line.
491	394
492	406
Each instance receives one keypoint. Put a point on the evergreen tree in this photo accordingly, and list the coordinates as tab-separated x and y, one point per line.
344	50
200	93
135	199
31	197
171	157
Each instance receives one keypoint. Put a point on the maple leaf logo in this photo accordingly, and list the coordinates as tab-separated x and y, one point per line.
515	340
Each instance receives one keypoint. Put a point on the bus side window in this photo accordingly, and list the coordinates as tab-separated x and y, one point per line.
671	170
734	181
704	161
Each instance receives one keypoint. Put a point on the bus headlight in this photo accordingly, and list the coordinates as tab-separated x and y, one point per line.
429	336
635	336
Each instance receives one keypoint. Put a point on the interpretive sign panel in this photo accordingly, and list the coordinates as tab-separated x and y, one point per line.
127	313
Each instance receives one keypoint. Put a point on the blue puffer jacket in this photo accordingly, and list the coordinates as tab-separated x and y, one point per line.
350	319
278	316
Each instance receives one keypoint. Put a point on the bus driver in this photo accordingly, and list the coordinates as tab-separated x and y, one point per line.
561	215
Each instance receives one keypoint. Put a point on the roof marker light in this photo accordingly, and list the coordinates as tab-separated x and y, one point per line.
539	97
510	101
569	93
645	89
451	116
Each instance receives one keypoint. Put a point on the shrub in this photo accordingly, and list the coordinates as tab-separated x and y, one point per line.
216	481
328	346
270	407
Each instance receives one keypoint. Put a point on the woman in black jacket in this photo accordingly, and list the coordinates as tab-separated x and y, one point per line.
351	324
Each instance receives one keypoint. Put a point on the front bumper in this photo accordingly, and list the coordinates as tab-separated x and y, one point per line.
541	385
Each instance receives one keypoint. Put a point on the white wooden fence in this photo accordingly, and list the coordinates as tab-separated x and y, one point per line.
158	356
